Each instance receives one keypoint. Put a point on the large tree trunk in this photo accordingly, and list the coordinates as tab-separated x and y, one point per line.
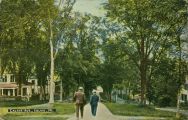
44	89
52	87
143	85
2	67
180	77
61	91
143	74
178	105
19	82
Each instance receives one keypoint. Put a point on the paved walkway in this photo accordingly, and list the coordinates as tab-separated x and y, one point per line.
1	119
104	114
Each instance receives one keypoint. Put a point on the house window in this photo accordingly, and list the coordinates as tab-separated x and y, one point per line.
12	78
5	92
184	97
16	92
33	92
33	81
24	91
5	78
1	79
186	86
10	92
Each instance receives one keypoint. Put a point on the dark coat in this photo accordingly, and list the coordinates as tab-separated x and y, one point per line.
94	99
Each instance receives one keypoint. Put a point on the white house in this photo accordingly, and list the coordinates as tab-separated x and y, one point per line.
9	88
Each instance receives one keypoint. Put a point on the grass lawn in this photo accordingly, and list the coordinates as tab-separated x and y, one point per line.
135	110
61	109
33	118
64	108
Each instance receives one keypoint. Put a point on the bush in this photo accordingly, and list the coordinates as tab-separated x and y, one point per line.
164	101
20	103
184	105
35	97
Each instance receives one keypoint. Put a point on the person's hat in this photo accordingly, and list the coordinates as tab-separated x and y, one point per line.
80	88
94	91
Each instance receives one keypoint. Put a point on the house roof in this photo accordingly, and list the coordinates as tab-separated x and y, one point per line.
8	85
13	85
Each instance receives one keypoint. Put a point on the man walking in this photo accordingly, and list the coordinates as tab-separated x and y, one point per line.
94	103
80	101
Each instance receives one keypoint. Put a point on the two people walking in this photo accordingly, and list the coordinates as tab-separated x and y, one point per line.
80	101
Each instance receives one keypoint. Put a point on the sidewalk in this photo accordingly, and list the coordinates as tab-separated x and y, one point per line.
1	118
104	114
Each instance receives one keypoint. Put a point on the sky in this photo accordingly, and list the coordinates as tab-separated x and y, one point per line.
93	7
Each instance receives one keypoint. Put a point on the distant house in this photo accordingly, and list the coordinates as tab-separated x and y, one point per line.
9	88
184	91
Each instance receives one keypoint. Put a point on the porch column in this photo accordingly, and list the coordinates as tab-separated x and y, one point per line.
21	92
8	92
14	92
2	91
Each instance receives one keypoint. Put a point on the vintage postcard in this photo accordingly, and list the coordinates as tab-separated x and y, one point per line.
93	59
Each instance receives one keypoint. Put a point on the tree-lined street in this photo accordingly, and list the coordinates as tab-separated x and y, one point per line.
134	50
